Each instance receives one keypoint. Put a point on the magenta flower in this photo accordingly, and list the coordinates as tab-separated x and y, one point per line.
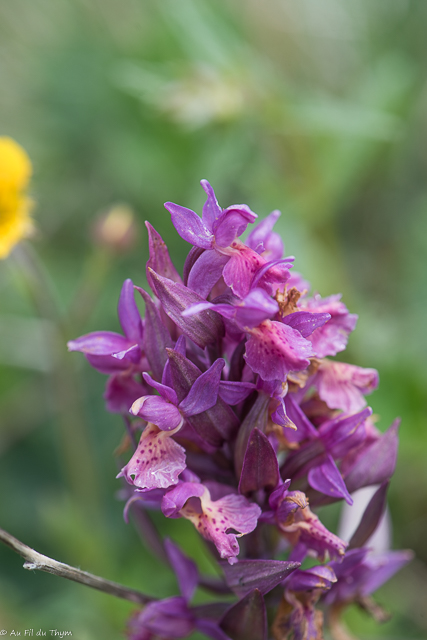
215	520
228	378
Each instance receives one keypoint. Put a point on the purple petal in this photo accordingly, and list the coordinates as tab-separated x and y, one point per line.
157	462
260	468
211	209
131	354
344	432
371	517
255	308
158	411
273	349
108	364
319	577
213	425
263	575
247	620
211	629
382	567
327	479
304	427
165	391
234	392
189	226
206	272
203	328
203	395
376	463
232	224
156	336
306	322
170	618
214	520
175	499
129	317
342	385
240	269
159	260
274	272
333	336
185	569
100	343
263	239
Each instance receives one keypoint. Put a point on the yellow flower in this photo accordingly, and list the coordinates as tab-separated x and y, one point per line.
15	205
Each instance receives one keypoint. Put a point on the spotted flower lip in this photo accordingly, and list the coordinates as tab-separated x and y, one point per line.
214	519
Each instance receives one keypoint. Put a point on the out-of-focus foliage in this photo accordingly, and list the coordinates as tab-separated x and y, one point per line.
315	108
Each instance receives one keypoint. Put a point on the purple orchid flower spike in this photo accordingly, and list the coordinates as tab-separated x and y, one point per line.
110	352
246	426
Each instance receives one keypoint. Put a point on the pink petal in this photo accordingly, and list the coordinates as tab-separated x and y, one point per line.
342	385
157	462
273	349
157	410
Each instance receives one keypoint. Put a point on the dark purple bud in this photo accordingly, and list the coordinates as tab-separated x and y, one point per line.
159	260
263	575
203	394
193	255
256	418
214	425
156	336
247	620
260	469
377	463
371	517
203	328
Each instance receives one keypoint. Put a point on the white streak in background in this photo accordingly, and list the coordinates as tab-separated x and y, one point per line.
28	343
351	517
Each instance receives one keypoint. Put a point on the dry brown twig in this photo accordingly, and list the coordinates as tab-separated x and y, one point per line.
37	561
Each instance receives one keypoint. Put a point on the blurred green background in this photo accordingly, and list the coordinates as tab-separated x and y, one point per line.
315	107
